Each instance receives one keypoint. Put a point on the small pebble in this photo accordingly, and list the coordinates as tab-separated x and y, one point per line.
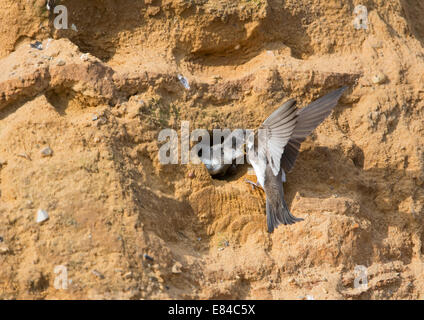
47	152
1	239
41	216
379	78
147	257
74	27
95	118
184	81
37	45
84	57
60	63
191	175
176	268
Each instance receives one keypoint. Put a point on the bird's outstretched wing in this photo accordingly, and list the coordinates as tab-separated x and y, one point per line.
275	133
308	119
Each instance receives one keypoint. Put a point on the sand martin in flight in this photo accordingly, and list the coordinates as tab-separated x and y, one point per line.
273	148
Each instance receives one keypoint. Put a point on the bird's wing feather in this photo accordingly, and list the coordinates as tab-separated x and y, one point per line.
275	132
308	119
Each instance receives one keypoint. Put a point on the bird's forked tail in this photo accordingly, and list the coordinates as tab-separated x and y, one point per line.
278	213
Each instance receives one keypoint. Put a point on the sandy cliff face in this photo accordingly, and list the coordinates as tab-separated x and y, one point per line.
125	226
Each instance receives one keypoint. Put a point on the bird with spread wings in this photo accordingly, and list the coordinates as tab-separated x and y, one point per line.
278	143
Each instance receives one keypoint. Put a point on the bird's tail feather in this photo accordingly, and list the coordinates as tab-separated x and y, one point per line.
278	213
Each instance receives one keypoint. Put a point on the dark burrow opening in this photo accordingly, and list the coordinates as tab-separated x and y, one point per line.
226	172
